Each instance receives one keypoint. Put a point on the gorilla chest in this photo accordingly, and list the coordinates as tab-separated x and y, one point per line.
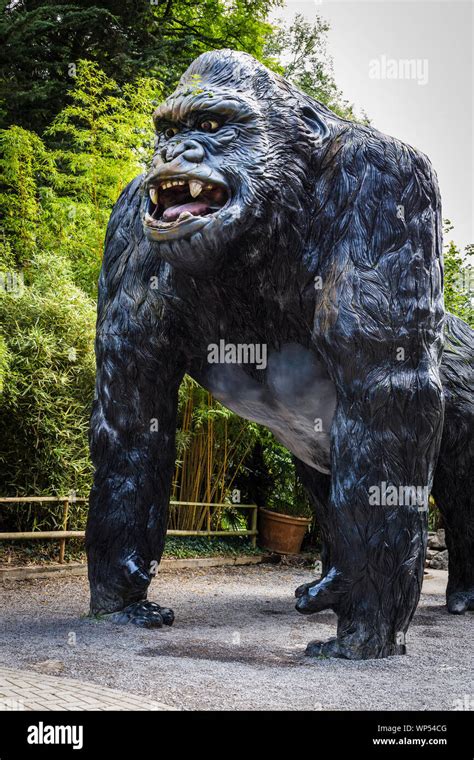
287	390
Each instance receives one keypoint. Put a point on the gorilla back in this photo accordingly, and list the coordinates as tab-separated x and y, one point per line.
290	261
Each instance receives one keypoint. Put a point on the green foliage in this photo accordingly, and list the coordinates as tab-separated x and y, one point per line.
45	39
457	298
212	445
284	492
47	330
55	203
104	134
187	547
61	196
37	552
231	519
25	168
4	363
300	51
103	140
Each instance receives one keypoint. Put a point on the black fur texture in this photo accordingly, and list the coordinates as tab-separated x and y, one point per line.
320	240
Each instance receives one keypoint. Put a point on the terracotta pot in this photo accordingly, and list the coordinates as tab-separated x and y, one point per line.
281	533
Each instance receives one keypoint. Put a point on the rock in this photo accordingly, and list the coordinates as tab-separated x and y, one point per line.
440	561
437	540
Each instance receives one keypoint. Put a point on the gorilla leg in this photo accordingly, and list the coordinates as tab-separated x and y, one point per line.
453	490
455	500
377	547
378	325
317	485
453	485
132	445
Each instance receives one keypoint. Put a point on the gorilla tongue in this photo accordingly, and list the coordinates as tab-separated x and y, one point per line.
196	208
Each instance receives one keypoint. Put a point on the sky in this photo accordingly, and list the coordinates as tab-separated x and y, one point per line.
428	104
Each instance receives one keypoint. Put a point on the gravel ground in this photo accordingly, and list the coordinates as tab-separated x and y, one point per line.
237	644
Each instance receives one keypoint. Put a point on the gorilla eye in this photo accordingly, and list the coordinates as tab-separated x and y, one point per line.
170	132
209	125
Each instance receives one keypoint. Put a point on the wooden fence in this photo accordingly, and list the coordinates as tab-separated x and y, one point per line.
64	534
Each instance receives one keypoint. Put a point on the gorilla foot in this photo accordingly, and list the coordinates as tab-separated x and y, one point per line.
459	602
304	588
143	614
352	648
321	594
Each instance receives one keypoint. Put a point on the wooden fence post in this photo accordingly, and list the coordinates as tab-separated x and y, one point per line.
254	526
62	542
63	535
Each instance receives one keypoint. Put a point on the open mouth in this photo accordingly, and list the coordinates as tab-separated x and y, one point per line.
174	201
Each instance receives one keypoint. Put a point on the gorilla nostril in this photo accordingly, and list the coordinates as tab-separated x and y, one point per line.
189	150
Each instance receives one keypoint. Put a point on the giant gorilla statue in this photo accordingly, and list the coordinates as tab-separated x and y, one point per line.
267	219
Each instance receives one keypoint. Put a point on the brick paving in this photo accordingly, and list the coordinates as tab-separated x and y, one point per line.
25	690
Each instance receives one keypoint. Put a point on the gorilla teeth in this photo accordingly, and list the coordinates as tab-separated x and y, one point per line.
195	187
172	183
154	195
158	223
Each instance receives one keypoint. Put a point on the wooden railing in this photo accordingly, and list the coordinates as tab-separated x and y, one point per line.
66	501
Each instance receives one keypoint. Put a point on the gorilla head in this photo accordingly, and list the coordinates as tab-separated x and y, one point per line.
234	145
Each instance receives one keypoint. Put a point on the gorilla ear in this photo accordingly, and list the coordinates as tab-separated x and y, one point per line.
316	124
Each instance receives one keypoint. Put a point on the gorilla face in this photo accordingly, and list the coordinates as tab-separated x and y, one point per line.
222	161
204	180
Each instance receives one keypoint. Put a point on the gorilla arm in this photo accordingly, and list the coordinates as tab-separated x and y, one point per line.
380	327
132	425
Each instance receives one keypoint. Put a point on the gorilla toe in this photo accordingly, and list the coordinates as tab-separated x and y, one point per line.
143	614
460	602
322	594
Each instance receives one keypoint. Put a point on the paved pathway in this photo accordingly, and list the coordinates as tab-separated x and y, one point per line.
25	690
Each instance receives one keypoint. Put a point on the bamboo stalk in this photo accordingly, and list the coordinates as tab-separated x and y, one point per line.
210	504
233	448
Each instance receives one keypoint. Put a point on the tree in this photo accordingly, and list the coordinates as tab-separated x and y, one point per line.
55	202
302	52
46	343
61	197
43	40
26	167
457	298
103	139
